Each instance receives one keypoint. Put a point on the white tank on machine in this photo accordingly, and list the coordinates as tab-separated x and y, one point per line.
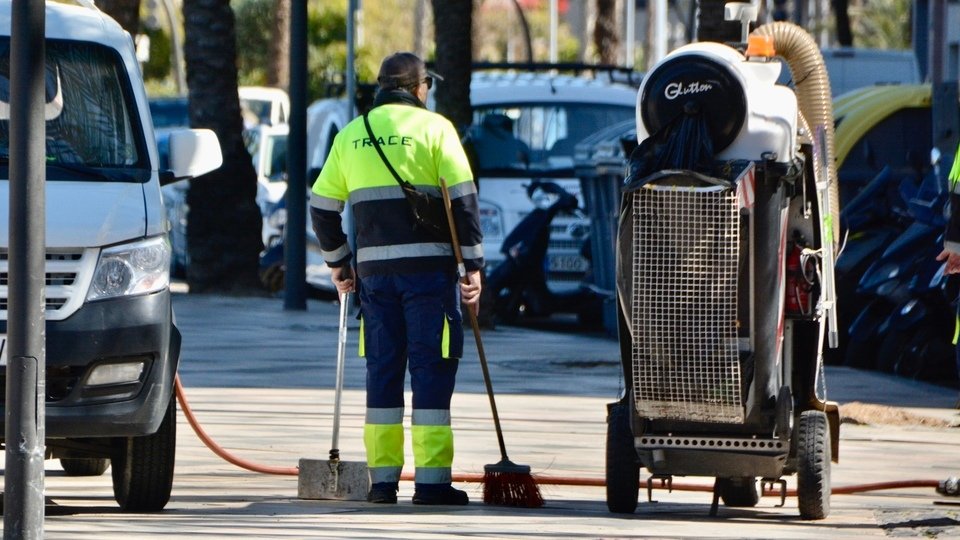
749	115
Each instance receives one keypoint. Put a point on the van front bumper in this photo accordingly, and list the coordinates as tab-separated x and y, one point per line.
125	332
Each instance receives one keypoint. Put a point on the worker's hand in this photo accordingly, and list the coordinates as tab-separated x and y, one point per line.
470	291
342	277
953	261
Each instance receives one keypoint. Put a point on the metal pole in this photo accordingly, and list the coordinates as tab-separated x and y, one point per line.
351	56
25	434
419	17
554	29
295	240
660	30
630	34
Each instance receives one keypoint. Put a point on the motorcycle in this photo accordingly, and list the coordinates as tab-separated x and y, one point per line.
518	285
906	327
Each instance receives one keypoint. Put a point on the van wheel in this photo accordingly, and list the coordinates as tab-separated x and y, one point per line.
84	466
813	465
623	466
143	467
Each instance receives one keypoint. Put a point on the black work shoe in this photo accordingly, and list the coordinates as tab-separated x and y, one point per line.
382	494
447	496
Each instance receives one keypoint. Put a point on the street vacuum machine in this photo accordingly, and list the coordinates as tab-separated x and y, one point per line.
725	249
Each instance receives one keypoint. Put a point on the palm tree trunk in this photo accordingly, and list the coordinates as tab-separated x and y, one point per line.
453	22
711	25
224	227
125	12
605	35
278	71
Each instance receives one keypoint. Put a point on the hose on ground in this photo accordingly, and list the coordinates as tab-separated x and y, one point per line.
477	478
216	448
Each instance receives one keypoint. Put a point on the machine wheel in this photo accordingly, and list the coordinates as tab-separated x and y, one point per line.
623	466
84	466
738	492
813	465
142	467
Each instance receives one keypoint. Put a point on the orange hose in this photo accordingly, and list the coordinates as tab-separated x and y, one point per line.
541	479
219	450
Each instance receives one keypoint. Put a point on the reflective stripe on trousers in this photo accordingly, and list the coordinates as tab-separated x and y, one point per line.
415	319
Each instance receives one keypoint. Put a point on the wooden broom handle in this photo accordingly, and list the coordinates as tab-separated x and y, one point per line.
462	271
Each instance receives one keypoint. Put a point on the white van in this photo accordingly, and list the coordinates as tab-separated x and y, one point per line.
112	348
264	105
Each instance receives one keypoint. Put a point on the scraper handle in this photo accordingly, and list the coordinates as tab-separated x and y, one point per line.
338	392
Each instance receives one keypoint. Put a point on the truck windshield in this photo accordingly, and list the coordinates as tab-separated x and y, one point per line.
87	112
537	136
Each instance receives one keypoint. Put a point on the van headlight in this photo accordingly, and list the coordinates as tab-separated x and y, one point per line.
129	269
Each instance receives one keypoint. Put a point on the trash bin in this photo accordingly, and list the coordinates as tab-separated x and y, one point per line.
600	164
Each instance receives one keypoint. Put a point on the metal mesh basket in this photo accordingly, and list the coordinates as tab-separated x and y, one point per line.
685	353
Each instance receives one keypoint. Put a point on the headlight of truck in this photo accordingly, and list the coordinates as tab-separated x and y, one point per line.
129	269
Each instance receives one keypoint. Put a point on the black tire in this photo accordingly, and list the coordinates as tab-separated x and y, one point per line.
891	351
813	465
623	465
142	467
738	492
272	277
84	466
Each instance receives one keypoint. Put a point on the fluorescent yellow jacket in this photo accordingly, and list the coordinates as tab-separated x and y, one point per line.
422	146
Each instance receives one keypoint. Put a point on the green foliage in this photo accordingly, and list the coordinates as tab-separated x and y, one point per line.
160	64
254	19
881	24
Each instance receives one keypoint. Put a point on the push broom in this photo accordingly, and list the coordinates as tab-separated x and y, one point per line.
504	483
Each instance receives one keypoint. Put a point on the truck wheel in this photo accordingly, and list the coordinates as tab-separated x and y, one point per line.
84	466
813	465
738	492
623	467
143	467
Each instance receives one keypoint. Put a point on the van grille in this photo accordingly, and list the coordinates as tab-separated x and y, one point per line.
685	353
64	281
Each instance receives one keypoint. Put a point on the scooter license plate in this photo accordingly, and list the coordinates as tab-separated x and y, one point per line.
567	263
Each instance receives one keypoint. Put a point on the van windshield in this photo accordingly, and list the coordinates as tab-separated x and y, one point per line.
536	136
87	112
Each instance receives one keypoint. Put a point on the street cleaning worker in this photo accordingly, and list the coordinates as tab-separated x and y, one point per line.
408	284
951	240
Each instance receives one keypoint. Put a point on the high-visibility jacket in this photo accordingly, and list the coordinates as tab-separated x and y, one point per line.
951	239
422	146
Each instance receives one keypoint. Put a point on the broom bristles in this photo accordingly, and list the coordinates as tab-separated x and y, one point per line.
511	487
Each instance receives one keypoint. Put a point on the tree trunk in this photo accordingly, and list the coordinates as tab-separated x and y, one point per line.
453	21
125	12
224	225
278	70
605	36
711	25
841	15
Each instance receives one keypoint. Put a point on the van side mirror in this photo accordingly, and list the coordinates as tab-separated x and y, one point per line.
194	152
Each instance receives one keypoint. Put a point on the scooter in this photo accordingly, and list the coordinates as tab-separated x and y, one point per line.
906	286
518	285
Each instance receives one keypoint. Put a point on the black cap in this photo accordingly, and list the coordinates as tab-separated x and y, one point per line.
403	70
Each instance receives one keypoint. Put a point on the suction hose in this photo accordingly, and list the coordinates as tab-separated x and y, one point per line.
947	487
806	63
